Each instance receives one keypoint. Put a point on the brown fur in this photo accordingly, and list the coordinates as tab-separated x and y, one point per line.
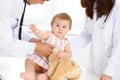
63	68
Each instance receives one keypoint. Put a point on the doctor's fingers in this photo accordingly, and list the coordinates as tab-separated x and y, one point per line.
105	77
43	49
48	49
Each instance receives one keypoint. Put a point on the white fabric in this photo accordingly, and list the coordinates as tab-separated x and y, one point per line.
105	43
10	14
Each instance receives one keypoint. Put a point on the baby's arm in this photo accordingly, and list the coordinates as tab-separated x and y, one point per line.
66	53
43	35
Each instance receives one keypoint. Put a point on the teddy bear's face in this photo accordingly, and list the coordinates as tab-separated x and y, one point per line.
66	68
63	67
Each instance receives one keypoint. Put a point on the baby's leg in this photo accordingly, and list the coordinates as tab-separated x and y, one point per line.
41	73
28	76
31	69
42	76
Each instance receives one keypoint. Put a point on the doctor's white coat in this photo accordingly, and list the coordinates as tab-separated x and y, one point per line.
10	15
105	43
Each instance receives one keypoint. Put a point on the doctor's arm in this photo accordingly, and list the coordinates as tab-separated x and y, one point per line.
85	36
11	46
81	40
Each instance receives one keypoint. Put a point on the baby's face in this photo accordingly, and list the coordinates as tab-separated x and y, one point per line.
60	27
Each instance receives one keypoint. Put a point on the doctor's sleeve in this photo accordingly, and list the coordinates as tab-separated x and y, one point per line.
114	60
9	46
26	33
81	40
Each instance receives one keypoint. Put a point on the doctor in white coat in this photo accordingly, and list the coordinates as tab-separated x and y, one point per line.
10	15
102	29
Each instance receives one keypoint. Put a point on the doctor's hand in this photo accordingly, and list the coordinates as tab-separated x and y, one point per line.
43	49
35	40
105	77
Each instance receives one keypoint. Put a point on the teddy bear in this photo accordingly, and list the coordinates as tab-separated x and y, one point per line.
63	68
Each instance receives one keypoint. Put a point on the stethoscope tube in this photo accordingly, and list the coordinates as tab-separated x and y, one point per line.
21	22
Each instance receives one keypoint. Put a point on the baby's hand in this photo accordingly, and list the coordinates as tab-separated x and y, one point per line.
60	54
33	28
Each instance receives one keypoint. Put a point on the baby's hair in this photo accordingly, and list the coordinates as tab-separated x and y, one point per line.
63	16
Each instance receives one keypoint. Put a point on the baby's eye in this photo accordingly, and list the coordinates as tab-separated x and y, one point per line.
64	26
57	25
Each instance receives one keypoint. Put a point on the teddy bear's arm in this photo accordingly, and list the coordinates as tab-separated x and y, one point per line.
52	67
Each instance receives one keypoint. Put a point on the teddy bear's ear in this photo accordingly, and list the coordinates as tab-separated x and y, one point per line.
55	51
53	57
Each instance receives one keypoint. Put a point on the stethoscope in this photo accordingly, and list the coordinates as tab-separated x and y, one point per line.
21	21
107	14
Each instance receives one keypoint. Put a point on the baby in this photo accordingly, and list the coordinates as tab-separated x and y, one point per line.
60	25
